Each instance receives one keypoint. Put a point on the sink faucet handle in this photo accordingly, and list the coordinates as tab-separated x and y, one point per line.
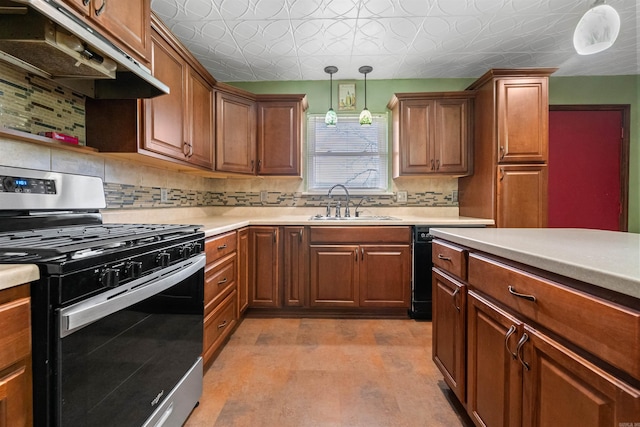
338	209
328	211
347	214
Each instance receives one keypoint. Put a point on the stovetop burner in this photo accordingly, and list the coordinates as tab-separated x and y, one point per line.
76	242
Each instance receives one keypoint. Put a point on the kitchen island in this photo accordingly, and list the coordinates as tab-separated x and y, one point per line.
539	326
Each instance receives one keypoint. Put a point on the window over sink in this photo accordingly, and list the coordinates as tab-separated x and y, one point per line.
349	154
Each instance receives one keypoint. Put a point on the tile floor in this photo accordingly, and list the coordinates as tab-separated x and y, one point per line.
327	372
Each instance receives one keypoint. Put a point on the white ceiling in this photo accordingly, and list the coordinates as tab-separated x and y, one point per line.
265	40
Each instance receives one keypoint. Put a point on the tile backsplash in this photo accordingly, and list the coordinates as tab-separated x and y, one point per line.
30	103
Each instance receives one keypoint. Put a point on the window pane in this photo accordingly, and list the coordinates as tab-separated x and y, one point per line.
349	154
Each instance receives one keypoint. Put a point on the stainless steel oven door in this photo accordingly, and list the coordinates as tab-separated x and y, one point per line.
121	353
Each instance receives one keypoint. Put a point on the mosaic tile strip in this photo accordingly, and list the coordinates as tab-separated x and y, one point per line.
121	196
33	104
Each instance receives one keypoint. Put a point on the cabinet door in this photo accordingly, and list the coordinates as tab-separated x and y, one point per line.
522	196
243	270
295	266
127	21
264	269
385	275
235	134
334	275
562	389
279	126
523	120
416	137
451	148
15	395
494	376
200	116
165	114
449	337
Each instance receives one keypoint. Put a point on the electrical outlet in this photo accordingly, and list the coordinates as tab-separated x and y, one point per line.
263	196
454	196
163	195
401	197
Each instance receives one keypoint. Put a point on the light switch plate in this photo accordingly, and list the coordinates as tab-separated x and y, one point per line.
263	196
401	197
163	195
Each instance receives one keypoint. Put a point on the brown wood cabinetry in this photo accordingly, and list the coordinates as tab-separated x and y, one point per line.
280	127
172	130
294	272
449	315
220	292
540	349
15	357
125	23
510	149
367	267
264	267
243	270
258	134
432	133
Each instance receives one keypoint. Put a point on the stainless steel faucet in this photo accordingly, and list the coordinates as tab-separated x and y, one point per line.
347	214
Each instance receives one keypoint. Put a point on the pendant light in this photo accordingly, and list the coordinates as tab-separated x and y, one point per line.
597	30
331	118
365	115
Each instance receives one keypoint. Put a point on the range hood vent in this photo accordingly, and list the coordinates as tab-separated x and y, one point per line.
44	38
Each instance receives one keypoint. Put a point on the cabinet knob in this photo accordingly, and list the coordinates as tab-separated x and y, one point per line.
101	8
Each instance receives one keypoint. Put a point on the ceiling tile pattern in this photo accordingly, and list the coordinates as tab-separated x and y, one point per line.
265	40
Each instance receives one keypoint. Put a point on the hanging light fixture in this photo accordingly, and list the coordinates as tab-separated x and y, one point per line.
365	115
331	118
597	30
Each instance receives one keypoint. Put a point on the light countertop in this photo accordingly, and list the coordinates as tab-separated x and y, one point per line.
14	274
607	259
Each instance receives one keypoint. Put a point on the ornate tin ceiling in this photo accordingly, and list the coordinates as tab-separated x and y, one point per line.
263	40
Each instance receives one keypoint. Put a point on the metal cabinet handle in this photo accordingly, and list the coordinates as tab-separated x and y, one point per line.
300	234
432	165
523	340
222	282
222	247
438	164
185	149
259	165
101	8
513	292
85	2
361	254
502	152
444	258
222	325
453	295
510	332
252	164
501	174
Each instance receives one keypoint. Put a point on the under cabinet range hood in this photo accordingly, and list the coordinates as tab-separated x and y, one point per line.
46	39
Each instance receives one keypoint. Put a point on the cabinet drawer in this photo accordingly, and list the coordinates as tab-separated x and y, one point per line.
15	323
218	279
218	246
360	235
609	331
450	258
218	325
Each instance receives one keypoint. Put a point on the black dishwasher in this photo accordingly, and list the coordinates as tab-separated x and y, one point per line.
421	277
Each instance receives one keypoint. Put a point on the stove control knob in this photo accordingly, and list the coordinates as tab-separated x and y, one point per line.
197	248
163	259
109	277
186	251
133	269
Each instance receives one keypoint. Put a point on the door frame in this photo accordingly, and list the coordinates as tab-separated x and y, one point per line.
625	111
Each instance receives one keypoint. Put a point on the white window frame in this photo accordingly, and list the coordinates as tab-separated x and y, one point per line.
380	128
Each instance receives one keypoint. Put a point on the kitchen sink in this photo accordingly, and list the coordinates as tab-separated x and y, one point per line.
355	218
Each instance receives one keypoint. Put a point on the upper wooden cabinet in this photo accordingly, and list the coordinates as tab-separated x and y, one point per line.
176	127
126	23
522	118
235	131
280	128
258	134
432	133
510	149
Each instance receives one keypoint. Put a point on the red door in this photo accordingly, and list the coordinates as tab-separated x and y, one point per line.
584	169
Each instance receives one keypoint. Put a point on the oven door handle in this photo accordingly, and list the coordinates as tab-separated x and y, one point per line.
83	313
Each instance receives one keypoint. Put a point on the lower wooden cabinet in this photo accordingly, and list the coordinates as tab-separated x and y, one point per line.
334	275
295	272
449	331
15	357
264	268
219	324
243	270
